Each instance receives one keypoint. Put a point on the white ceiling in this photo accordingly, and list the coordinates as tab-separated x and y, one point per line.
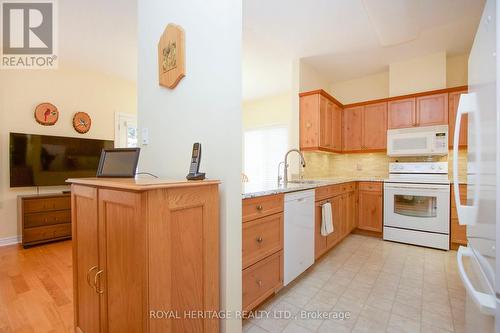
347	39
99	35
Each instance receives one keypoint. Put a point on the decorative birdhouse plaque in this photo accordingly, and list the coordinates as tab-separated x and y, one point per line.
171	56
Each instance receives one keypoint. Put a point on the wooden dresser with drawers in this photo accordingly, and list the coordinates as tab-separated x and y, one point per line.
44	218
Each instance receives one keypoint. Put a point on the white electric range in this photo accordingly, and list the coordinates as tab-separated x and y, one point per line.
417	204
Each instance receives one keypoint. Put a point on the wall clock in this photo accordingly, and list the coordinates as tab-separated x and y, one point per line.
46	114
171	56
82	122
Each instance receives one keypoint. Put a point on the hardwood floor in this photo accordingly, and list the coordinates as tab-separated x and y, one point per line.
36	288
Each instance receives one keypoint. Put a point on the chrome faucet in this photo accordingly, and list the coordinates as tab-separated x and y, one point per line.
285	162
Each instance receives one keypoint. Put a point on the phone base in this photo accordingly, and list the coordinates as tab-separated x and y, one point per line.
196	176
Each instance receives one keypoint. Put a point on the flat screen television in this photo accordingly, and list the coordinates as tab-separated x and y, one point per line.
43	160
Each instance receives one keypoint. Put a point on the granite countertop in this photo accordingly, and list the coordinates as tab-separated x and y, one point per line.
259	189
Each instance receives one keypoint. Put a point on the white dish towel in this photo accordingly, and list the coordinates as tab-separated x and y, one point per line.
326	219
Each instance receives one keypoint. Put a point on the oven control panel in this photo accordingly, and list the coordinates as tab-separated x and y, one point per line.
419	167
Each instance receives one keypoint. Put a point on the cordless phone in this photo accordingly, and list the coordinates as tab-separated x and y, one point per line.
194	168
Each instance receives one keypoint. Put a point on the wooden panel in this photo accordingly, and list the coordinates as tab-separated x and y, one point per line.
254	208
453	99
309	121
347	187
432	110
370	210
47	218
375	126
261	280
335	237
123	260
325	192
47	204
371	186
261	238
320	245
85	257
353	128
458	233
184	256
51	232
401	113
325	123
337	127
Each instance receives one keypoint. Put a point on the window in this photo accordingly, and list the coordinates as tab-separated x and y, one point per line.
264	148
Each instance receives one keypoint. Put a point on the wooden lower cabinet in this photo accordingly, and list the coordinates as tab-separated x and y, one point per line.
262	248
344	202
370	208
458	233
262	280
136	251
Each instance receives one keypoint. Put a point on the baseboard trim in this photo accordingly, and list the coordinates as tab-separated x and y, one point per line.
10	240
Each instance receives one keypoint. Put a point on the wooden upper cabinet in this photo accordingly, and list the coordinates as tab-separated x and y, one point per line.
401	113
320	122
375	126
453	99
353	126
337	127
432	110
309	121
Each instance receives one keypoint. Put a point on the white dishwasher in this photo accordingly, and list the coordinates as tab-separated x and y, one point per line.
299	234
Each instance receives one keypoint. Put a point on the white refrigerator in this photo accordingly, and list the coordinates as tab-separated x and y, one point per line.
477	262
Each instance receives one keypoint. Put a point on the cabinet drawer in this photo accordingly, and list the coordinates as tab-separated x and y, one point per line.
261	238
348	187
370	186
262	280
48	232
47	218
255	208
48	204
325	192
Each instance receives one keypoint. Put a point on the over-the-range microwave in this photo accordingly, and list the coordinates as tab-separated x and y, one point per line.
418	141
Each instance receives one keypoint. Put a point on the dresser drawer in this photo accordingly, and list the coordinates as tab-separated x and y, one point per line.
254	208
371	186
261	238
48	232
262	280
47	218
48	204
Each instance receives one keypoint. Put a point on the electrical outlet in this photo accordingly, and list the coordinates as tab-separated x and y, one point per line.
359	167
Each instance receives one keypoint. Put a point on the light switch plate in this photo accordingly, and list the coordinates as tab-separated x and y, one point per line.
145	136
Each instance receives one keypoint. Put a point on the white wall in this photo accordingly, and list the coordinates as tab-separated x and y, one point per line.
456	70
204	107
418	74
362	89
71	89
311	79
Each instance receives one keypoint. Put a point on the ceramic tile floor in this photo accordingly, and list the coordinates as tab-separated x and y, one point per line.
385	286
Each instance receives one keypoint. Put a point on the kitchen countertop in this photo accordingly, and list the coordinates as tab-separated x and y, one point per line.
259	189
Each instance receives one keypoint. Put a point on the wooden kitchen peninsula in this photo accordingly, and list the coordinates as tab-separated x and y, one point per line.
144	250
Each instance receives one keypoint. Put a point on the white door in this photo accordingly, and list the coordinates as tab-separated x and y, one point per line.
125	130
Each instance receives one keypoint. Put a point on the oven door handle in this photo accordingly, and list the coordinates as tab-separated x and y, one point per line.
467	105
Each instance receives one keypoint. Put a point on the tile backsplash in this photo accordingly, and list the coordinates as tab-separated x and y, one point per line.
328	165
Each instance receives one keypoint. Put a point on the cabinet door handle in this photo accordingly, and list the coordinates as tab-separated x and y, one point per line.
88	275
260	239
259	282
95	282
259	207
